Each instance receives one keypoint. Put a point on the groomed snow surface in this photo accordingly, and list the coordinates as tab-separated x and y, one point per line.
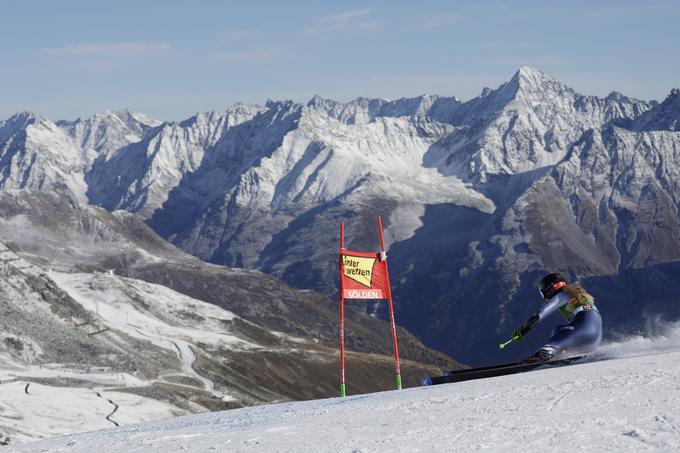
625	399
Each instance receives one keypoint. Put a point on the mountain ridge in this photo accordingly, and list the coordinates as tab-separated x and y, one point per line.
267	191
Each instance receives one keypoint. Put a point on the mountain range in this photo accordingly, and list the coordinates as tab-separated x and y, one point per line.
479	198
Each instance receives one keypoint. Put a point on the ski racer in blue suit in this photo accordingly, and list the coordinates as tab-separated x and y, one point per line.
583	332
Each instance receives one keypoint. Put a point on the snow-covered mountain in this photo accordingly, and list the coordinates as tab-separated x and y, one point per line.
627	402
526	124
664	118
139	175
109	130
35	153
478	197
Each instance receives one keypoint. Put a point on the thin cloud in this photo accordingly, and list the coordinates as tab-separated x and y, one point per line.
95	50
525	61
231	36
263	55
355	20
440	20
462	16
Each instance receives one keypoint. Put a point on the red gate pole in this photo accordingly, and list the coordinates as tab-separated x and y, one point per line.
342	315
383	257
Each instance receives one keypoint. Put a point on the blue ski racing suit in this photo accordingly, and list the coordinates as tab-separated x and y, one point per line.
581	335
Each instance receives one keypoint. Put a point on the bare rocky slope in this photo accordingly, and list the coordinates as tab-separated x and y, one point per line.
92	299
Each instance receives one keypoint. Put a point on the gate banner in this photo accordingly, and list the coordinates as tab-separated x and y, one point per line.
364	275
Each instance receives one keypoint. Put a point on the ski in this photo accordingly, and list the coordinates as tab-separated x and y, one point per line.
494	370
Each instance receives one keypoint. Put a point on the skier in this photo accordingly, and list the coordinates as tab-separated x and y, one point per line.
582	333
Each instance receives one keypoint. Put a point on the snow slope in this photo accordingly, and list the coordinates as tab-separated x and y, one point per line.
623	403
32	410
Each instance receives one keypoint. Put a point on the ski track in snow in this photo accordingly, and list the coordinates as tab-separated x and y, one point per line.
48	411
115	409
626	404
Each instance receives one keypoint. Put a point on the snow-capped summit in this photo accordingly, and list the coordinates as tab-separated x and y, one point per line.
17	123
358	111
528	79
234	115
524	125
663	117
616	96
38	154
363	110
139	175
109	131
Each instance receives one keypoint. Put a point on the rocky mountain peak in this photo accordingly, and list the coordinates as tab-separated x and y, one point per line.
25	117
616	96
662	117
16	123
316	101
530	81
117	118
364	110
527	73
672	101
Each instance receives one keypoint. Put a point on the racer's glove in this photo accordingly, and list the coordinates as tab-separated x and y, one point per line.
517	335
520	333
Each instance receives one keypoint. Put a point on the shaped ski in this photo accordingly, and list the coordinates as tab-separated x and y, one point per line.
495	370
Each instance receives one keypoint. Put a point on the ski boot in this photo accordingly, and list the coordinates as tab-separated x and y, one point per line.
545	354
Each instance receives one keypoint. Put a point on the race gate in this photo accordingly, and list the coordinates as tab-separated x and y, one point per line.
363	275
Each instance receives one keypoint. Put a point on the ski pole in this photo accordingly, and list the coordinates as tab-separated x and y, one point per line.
503	345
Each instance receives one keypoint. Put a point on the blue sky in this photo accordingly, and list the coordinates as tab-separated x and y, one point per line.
170	59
